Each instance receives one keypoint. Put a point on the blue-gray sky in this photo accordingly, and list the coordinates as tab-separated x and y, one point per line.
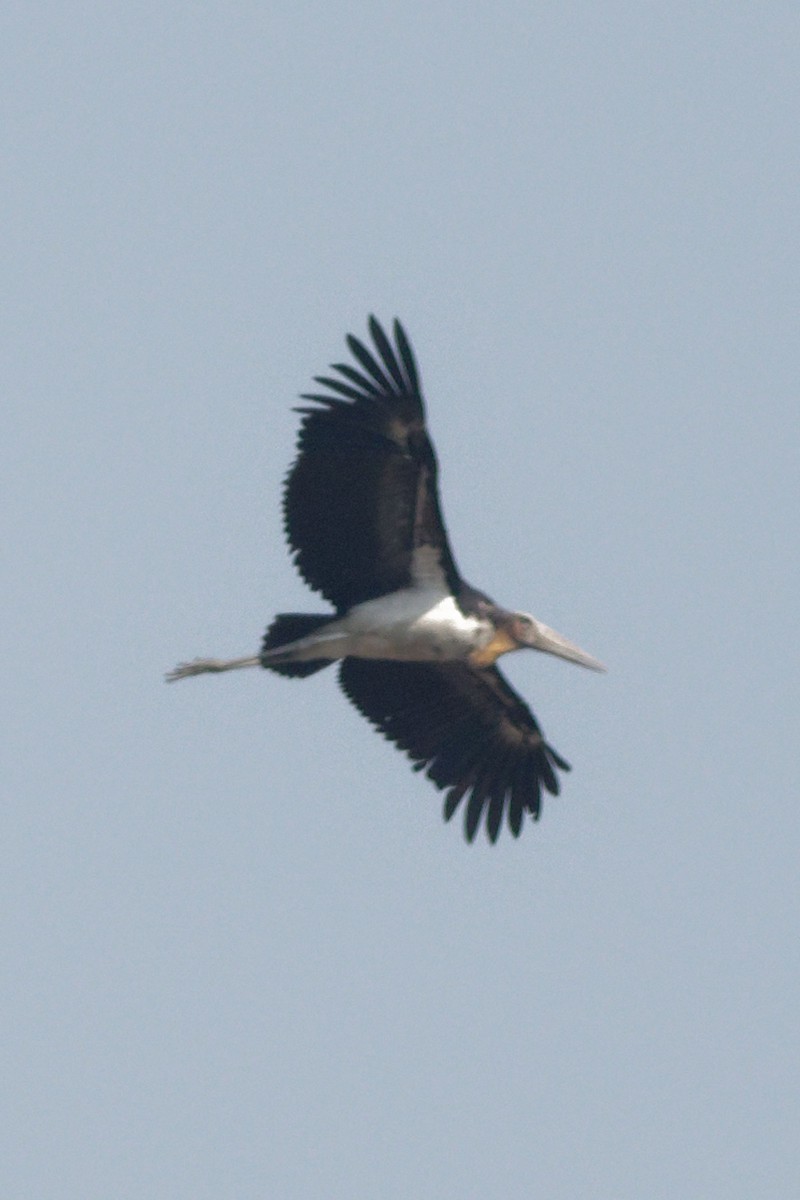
243	956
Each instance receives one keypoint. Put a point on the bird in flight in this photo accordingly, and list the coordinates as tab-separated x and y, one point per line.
417	645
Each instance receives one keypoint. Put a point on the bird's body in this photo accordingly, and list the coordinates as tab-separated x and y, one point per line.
415	625
418	645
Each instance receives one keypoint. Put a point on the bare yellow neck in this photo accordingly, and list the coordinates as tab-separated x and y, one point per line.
501	643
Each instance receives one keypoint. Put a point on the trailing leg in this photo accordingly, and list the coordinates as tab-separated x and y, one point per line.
199	666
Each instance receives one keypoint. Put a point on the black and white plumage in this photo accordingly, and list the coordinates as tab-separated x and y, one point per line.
417	645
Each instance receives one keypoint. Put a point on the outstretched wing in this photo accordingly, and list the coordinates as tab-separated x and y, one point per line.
361	503
468	729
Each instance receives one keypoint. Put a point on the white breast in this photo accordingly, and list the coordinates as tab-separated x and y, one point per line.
418	624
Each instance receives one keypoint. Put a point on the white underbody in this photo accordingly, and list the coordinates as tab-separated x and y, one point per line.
414	625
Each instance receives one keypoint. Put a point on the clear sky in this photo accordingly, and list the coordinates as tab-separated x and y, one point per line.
243	956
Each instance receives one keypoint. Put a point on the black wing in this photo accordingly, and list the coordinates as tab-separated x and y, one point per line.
468	729
362	495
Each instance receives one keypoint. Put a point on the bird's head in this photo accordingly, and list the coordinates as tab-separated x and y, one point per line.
525	630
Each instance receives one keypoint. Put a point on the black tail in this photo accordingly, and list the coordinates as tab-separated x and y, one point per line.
289	627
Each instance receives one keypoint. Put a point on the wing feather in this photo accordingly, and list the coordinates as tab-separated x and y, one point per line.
407	355
470	732
386	351
370	364
336	386
362	495
356	377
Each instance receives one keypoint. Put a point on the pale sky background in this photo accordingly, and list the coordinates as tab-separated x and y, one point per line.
242	955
